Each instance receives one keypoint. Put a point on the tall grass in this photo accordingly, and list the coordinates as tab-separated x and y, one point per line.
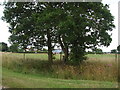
18	80
95	68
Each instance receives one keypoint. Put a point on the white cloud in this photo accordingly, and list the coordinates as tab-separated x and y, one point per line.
113	4
4	34
110	1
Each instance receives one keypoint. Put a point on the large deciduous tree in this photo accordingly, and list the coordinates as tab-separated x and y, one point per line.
74	26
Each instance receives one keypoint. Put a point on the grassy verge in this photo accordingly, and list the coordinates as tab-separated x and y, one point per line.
98	69
17	80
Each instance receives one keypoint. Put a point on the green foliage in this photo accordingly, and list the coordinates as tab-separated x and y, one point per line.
114	51
44	49
74	26
97	51
13	48
85	28
3	47
118	48
76	58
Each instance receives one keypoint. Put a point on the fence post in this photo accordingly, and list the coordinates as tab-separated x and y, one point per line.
116	57
24	54
60	55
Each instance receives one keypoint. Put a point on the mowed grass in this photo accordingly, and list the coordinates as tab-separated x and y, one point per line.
18	80
100	70
102	57
44	56
40	56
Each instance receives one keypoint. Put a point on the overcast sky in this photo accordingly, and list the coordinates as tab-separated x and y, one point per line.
4	34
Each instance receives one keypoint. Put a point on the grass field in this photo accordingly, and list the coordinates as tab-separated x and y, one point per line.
57	56
18	80
30	56
97	72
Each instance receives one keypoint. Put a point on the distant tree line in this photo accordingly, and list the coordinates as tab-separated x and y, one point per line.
3	47
15	48
116	50
95	51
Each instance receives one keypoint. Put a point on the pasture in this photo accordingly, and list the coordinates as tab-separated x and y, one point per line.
18	80
96	72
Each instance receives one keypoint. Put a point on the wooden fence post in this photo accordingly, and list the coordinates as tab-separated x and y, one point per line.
24	54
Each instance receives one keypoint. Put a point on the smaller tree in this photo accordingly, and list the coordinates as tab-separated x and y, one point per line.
3	47
113	51
97	51
13	48
44	49
118	49
89	52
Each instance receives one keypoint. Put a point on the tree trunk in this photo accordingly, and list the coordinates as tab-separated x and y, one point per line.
64	48
49	47
66	55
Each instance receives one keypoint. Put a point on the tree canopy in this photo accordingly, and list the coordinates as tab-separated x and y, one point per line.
15	48
74	27
97	51
118	48
114	51
3	47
